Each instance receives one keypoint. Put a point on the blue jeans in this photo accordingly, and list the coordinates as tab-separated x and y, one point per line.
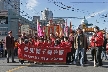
1	49
79	50
103	54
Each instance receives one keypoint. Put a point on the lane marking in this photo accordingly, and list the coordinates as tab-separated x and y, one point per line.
17	68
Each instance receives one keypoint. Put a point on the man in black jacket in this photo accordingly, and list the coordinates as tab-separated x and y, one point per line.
10	46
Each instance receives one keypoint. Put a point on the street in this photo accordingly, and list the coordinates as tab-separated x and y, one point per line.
27	67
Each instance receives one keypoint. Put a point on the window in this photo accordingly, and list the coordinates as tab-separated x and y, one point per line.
1	29
5	33
6	29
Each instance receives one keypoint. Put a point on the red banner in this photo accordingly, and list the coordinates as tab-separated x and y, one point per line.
46	55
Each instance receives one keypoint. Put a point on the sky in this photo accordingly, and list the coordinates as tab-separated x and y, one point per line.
94	12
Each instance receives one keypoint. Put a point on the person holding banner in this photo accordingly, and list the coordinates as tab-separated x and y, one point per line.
71	40
52	37
57	42
31	42
45	43
21	45
34	40
50	43
40	43
67	44
24	36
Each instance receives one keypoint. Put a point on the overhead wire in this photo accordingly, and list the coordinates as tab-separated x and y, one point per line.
13	6
65	7
22	12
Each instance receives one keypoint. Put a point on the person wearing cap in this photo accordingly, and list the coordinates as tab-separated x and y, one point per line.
79	45
98	41
10	46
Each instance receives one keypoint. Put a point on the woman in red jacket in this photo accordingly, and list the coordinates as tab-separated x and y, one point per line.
98	40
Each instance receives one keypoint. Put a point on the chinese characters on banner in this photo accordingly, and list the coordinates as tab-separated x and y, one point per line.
52	55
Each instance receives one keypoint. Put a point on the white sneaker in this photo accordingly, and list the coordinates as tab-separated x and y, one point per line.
23	63
70	63
19	62
35	62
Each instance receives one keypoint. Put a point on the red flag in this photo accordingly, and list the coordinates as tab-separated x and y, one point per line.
50	21
66	23
70	26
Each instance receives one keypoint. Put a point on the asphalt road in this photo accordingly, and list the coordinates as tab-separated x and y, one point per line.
16	67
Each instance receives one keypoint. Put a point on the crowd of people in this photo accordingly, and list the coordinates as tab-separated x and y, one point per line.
77	41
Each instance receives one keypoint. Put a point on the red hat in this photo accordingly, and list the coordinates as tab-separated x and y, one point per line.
9	32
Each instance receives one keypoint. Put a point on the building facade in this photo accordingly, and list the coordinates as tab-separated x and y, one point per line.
10	4
3	23
47	14
35	18
16	23
25	29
